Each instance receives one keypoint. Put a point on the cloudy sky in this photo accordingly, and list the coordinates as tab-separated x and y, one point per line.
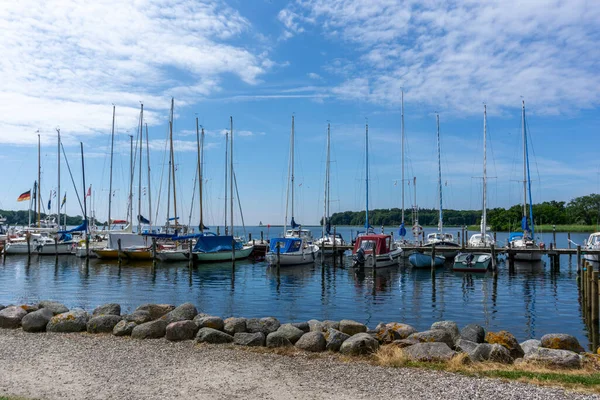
65	63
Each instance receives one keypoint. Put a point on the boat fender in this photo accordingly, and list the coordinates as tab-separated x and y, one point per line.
542	246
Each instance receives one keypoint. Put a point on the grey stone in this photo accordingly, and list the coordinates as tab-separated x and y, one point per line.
139	316
554	357
2	307
10	317
561	341
210	335
156	310
491	352
312	341
466	346
350	327
249	339
328	324
434	336
265	325
234	325
107	309
104	323
387	333
530	345
290	332
278	339
185	312
335	339
507	340
430	352
315	326
150	330
402	343
54	306
29	308
181	330
124	328
360	343
37	320
473	333
449	326
209	322
72	321
303	326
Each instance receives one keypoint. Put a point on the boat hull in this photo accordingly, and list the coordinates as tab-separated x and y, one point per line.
388	260
19	248
107	254
138	255
221	256
592	257
480	262
445	253
420	260
173	255
308	256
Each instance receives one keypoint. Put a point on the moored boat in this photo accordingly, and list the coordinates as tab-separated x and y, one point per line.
592	243
291	251
472	262
421	260
376	251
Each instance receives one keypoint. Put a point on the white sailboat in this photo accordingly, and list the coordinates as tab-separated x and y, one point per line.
525	240
296	247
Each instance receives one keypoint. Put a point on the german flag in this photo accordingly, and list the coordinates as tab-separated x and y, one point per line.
25	196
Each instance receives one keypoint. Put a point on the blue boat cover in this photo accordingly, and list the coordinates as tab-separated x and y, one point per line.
286	245
213	244
193	236
402	230
515	236
80	228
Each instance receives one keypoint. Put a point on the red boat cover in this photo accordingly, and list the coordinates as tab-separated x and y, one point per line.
380	242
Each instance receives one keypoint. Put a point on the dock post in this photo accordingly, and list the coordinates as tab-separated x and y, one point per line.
28	238
261	237
461	239
153	251
278	256
495	241
119	250
554	235
569	239
589	270
493	250
334	246
578	258
190	257
595	315
250	237
433	260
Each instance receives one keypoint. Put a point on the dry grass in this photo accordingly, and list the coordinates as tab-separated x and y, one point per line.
586	379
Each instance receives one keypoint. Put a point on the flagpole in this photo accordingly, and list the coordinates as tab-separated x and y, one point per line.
87	236
39	202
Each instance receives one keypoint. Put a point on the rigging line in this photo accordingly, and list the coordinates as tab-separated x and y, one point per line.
72	180
162	173
239	203
193	197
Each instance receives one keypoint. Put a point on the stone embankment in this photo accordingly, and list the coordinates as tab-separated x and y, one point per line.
442	342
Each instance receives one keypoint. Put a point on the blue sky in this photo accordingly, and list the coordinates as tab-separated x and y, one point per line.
64	63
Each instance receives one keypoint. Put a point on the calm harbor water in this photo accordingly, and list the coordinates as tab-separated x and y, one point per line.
529	302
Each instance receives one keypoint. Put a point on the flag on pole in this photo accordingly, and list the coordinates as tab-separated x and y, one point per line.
89	192
64	200
25	196
49	200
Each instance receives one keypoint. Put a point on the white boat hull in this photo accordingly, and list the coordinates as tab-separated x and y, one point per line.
528	256
223	255
390	259
19	248
592	257
173	255
307	256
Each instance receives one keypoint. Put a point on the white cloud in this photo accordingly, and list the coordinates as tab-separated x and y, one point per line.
457	54
65	62
315	76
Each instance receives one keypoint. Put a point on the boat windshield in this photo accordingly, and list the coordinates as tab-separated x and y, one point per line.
368	245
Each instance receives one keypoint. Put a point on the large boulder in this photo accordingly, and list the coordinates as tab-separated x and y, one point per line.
335	339
430	352
360	343
314	325
530	345
234	325
209	322
29	308
150	330
449	326
2	307
328	324
561	341
103	323
434	336
303	326
387	333
181	330
507	340
249	339
37	320
290	332
210	335
278	339
139	316
402	343
185	312
265	325
54	306
124	328
554	358
156	310
350	327
72	321
466	346
107	309
10	317
312	341
473	333
491	352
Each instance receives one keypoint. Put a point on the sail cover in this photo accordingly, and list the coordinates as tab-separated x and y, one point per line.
213	244
127	240
402	230
286	245
80	228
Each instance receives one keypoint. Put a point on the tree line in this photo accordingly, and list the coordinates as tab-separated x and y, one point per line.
584	210
21	218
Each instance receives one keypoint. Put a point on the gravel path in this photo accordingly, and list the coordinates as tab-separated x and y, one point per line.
82	366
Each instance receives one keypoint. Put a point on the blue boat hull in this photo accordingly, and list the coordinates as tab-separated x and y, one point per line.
420	260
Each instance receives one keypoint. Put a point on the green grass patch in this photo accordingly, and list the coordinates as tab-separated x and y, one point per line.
591	380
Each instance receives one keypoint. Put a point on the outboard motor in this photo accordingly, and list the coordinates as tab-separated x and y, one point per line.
469	258
358	259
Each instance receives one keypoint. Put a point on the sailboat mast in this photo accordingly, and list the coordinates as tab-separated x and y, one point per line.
524	161
440	223
367	175
402	146
199	173
226	159
484	214
200	178
231	176
139	218
292	177
58	202
168	224
173	165
149	191
39	186
326	194
416	216
112	144
130	211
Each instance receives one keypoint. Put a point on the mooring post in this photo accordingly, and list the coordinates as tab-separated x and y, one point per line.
250	237
595	299
119	250
261	237
554	235
153	251
584	287
578	258
55	246
190	258
28	238
461	239
569	239
495	241
278	255
433	257
493	250
590	282
334	246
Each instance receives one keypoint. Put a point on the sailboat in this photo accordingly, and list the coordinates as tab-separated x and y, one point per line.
371	249
296	247
475	261
213	248
402	228
525	240
328	238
